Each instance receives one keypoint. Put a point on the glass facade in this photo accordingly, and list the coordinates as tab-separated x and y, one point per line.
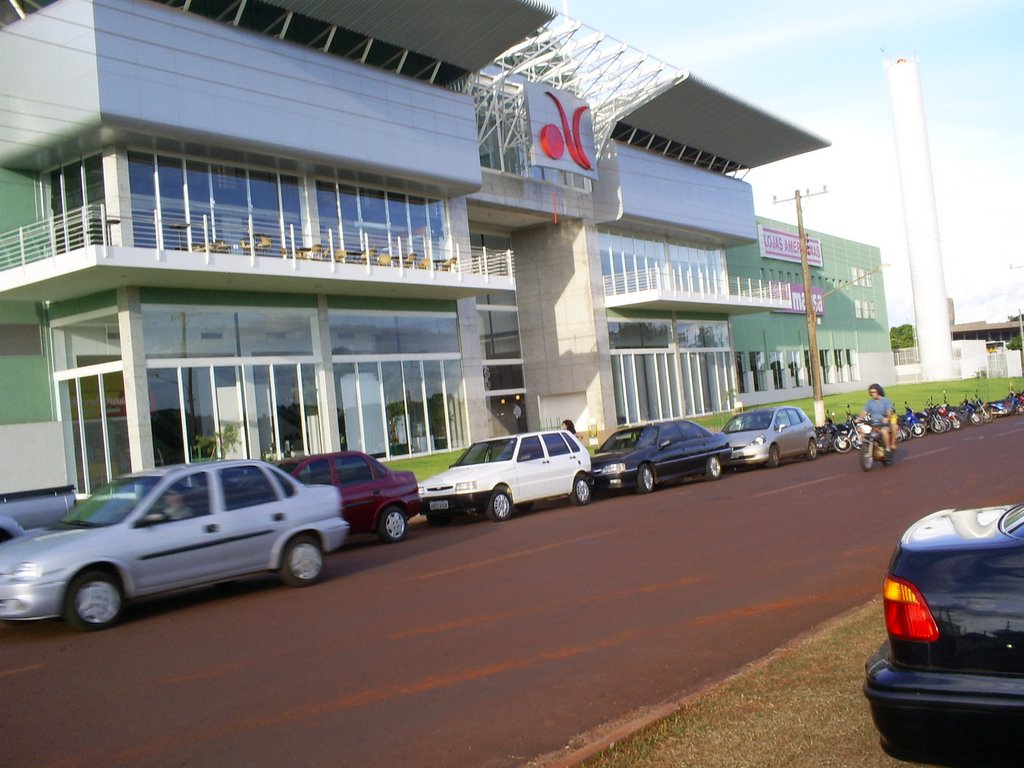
634	263
663	369
398	382
189	204
234	382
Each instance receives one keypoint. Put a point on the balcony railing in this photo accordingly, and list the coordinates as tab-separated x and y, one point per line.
91	226
689	284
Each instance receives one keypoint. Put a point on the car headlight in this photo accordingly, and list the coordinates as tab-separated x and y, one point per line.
25	572
759	440
465	486
612	469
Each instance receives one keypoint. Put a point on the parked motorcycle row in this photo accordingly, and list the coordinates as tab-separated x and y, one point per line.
933	418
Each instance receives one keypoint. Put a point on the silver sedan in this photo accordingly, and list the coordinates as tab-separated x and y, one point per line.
168	529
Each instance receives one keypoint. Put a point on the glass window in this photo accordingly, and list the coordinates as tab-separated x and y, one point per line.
142	183
171	177
556	445
230	204
348	199
352	469
394	405
245	486
328	214
165	417
197	176
433	384
499	335
291	211
530	449
640	335
316	472
414	404
185	498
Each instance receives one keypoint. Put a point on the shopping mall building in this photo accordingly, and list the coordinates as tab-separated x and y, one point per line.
269	227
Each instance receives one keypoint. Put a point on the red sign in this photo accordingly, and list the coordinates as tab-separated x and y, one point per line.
562	129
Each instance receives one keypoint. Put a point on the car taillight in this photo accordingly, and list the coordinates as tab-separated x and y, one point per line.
907	615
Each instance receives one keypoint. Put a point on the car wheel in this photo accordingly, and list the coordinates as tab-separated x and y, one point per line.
713	468
439	521
499	508
812	450
581	490
93	601
392	525
773	456
302	561
645	480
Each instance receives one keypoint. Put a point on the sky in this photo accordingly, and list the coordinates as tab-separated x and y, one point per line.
820	66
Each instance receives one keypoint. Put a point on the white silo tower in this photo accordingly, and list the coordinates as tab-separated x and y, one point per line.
928	284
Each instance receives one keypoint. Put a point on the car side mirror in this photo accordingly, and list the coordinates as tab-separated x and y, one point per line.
781	427
664	444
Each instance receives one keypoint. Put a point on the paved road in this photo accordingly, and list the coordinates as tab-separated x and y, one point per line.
486	644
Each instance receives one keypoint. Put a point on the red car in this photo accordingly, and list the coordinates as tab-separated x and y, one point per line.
376	499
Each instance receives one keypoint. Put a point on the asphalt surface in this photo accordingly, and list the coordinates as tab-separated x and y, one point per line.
486	644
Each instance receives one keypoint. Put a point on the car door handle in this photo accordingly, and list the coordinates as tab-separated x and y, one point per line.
212	528
277	517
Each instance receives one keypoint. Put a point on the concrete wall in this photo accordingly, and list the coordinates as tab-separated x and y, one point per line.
145	72
646	189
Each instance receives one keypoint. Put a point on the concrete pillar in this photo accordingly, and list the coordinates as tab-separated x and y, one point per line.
325	377
562	320
136	384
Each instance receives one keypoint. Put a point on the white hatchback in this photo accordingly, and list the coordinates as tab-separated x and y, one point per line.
498	475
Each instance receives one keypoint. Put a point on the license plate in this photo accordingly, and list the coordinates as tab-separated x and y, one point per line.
439	504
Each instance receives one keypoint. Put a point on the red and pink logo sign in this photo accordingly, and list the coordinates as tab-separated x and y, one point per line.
554	142
562	128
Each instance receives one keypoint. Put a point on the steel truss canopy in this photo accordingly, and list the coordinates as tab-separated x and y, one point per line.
638	99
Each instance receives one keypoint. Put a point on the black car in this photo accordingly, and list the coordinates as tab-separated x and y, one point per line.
641	457
953	663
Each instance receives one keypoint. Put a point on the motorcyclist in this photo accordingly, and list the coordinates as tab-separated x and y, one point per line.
880	412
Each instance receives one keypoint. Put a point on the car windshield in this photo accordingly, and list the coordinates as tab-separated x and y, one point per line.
110	504
628	439
746	422
488	451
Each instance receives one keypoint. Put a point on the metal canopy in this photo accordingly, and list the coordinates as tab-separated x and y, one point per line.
466	33
696	114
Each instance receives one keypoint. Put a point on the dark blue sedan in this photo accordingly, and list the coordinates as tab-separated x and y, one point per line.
953	663
644	456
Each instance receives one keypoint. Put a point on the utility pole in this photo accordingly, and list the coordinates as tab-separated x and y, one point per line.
812	317
1020	322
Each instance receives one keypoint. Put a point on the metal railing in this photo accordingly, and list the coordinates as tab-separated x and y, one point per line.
91	226
705	285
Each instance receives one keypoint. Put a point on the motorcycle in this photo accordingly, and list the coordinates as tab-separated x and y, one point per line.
873	447
913	423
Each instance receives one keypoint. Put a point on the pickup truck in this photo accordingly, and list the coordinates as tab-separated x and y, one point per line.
23	510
